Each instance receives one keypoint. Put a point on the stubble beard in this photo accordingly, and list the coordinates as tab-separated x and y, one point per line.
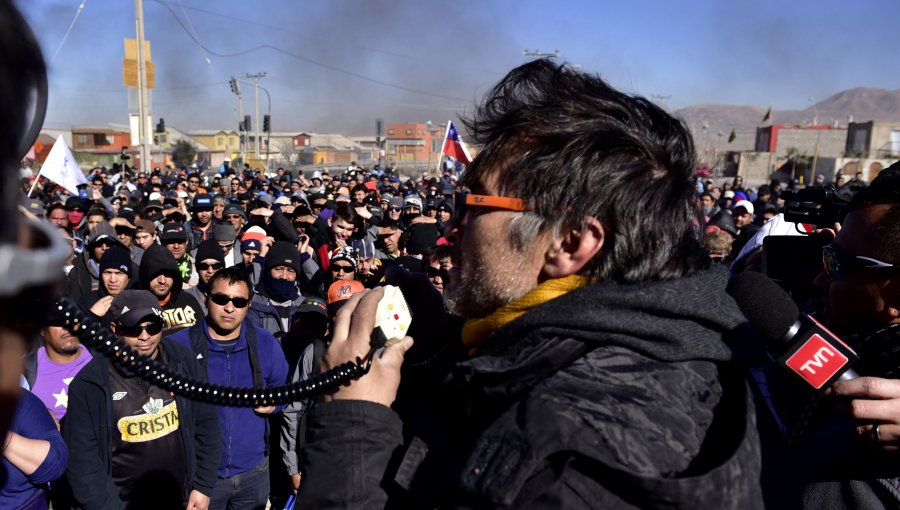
476	291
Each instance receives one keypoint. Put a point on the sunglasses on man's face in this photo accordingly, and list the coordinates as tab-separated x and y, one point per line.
837	263
152	328
467	201
342	268
223	299
203	266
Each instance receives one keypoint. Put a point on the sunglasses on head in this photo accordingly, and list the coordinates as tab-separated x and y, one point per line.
203	266
153	327
339	268
223	299
836	262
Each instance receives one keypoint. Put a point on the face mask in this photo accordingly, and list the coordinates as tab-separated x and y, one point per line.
707	209
75	217
279	290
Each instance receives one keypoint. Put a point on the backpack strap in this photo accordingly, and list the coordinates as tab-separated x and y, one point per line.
253	352
258	381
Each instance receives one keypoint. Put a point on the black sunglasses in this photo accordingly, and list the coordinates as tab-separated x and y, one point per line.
203	266
223	299
154	327
346	269
394	209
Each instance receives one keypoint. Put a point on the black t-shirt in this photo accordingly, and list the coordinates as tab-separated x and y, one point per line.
148	457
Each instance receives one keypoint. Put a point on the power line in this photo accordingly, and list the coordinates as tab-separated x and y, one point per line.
303	58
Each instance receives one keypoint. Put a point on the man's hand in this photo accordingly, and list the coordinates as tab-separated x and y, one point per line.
352	329
295	481
422	219
264	409
102	306
364	212
197	501
875	401
264	246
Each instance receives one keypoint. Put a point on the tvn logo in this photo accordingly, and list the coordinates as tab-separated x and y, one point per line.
817	361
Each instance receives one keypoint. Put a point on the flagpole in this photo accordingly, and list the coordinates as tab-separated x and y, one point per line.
37	178
443	143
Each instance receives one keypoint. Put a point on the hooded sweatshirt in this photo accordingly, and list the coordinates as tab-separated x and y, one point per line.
85	274
179	310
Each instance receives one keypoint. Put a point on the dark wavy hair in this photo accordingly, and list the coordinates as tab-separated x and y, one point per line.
883	190
572	146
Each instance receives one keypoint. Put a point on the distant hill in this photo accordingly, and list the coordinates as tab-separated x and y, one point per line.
862	103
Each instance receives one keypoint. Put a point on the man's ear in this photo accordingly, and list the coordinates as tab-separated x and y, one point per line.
570	253
891	295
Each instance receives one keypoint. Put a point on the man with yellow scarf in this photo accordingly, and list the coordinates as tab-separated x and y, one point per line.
601	370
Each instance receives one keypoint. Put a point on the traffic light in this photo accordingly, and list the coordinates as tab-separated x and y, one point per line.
266	125
234	86
161	127
247	124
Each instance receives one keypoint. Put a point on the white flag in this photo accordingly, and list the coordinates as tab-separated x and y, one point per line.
61	167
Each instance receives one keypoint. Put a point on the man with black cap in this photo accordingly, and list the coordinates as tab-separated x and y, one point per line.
116	269
277	295
209	259
85	274
235	215
131	443
175	238
201	220
160	275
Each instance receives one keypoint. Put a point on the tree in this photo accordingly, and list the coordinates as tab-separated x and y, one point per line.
183	153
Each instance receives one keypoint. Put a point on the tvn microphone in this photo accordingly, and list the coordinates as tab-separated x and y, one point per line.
802	345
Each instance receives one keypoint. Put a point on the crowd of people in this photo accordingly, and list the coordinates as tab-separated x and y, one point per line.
573	344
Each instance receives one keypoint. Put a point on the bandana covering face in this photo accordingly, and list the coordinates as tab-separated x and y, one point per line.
74	217
279	290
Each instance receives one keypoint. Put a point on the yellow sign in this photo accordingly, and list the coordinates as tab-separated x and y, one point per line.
160	422
130	65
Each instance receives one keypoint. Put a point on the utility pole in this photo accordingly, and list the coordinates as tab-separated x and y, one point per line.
143	113
256	77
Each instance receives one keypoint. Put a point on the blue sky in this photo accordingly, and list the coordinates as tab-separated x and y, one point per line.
437	58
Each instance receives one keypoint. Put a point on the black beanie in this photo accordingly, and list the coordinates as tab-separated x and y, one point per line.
116	257
282	254
210	249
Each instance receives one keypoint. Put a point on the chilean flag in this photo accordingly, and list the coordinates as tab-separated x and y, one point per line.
454	146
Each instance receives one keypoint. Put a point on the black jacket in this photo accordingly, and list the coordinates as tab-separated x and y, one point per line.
181	310
89	427
612	396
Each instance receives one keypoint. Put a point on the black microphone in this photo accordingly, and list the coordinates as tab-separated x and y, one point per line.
802	344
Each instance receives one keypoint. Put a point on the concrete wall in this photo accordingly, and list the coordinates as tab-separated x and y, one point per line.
832	142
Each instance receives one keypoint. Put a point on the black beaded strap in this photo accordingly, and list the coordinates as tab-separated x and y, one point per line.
99	339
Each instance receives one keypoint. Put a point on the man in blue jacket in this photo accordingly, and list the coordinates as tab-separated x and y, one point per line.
236	355
131	443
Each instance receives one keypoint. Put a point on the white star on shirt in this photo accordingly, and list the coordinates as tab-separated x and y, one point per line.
62	398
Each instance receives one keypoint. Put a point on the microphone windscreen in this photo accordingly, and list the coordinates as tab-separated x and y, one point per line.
768	308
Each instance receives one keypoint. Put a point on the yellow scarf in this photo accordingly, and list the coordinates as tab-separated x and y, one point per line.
476	330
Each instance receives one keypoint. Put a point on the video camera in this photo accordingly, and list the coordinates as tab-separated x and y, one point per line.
822	207
795	261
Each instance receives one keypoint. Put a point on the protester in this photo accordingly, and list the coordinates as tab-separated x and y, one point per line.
592	325
115	276
209	260
85	274
277	296
238	354
34	455
160	275
133	444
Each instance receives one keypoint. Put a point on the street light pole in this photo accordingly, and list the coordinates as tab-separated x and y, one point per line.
256	77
